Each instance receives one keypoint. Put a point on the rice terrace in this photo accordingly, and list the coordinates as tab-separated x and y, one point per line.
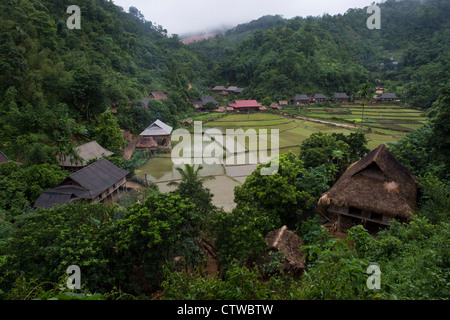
382	124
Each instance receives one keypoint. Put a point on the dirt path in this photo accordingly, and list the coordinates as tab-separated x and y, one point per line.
326	122
132	141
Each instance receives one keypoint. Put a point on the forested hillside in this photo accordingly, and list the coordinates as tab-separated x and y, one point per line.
61	87
55	82
409	55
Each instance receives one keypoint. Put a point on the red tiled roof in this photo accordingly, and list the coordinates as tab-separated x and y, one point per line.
246	104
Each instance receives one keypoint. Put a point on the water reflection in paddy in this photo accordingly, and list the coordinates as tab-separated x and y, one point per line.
161	170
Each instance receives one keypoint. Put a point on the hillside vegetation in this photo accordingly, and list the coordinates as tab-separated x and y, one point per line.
337	53
60	88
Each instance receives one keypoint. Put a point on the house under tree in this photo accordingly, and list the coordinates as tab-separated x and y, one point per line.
86	153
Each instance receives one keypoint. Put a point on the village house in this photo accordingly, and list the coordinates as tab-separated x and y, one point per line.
341	97
319	98
300	99
245	105
157	95
372	192
220	90
101	181
235	90
200	104
386	96
226	91
86	153
157	133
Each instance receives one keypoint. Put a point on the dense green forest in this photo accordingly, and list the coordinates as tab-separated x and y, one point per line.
337	53
58	87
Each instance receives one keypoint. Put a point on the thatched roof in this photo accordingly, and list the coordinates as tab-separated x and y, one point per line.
147	143
286	241
86	152
158	95
379	183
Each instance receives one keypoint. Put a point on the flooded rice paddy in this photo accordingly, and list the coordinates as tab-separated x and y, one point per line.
162	170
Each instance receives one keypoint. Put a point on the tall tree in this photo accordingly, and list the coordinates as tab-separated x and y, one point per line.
365	94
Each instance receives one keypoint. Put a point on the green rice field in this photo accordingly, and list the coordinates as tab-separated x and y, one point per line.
387	123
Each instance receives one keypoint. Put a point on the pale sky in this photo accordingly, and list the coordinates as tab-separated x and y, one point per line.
181	16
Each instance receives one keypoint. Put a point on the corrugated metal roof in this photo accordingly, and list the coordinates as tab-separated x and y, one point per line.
157	128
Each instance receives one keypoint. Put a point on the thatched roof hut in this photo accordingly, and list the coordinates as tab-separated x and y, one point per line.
375	189
287	242
86	153
147	143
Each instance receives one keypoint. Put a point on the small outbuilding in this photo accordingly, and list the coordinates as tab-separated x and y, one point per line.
86	153
289	245
372	192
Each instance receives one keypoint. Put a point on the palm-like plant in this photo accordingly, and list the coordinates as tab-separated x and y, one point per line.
365	94
191	186
190	176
